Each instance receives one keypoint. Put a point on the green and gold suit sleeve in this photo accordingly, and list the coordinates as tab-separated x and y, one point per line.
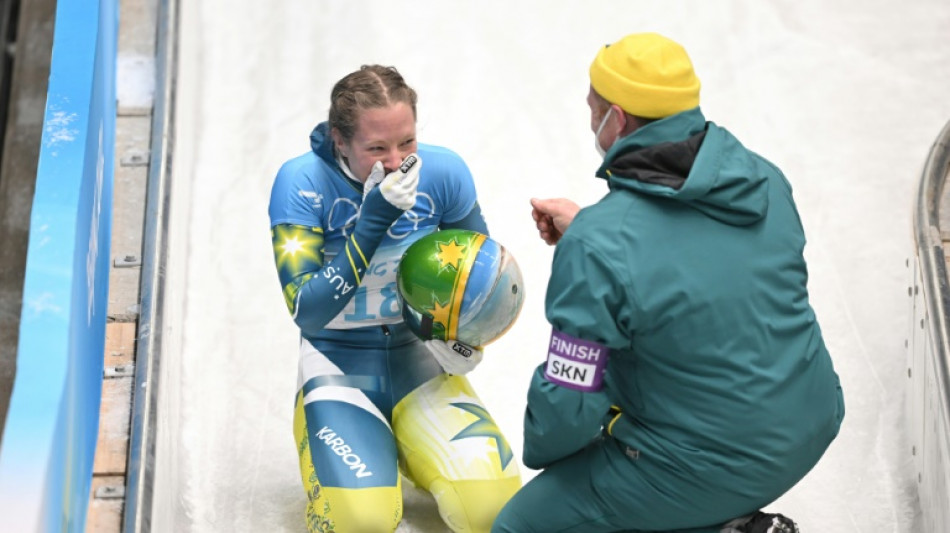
315	292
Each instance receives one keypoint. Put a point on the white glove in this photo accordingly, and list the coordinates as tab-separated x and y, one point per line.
399	186
376	175
455	357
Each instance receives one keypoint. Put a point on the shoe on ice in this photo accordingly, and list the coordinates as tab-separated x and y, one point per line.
760	522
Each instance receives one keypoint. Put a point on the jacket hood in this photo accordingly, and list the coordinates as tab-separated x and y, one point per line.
322	144
684	158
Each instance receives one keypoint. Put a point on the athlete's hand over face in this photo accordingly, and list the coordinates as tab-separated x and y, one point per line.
455	357
552	217
399	186
376	175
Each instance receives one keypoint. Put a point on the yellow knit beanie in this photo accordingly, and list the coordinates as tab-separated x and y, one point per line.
647	75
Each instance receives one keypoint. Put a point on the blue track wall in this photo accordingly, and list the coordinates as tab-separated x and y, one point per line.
50	436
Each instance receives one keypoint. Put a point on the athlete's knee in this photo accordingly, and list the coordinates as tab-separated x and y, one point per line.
365	510
470	506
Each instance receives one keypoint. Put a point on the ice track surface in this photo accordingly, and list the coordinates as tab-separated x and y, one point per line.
846	97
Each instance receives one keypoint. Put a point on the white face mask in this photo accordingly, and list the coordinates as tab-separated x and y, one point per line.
603	121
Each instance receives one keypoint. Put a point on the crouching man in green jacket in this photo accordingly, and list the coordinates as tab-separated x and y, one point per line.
687	384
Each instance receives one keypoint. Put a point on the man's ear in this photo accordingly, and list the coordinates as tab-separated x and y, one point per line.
622	115
628	123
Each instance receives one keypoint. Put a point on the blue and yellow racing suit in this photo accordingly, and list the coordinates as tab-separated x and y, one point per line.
372	403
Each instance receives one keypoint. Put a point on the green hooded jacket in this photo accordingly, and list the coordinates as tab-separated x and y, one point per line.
691	271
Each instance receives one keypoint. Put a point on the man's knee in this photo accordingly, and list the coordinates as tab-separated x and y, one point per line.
509	521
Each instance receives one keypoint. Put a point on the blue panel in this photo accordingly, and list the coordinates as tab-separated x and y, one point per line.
50	434
350	447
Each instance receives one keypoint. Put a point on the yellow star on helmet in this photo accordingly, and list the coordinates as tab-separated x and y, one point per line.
450	254
440	313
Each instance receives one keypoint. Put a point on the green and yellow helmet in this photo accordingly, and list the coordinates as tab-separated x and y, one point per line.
459	285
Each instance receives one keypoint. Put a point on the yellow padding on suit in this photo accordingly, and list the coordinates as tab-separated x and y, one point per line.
471	506
449	445
343	510
366	510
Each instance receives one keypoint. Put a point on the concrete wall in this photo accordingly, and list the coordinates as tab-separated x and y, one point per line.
28	76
